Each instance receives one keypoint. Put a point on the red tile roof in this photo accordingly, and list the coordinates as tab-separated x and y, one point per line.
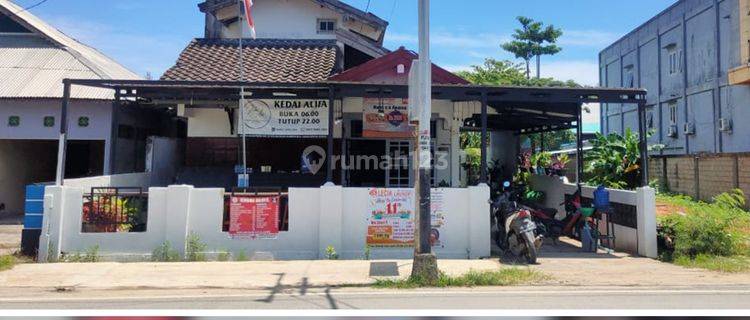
265	60
384	70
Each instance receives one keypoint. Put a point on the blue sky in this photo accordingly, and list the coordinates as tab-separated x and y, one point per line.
147	35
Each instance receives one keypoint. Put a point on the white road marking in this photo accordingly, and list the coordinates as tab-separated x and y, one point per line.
340	294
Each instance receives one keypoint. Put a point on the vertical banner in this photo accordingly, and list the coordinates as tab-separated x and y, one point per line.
391	217
386	118
254	217
437	218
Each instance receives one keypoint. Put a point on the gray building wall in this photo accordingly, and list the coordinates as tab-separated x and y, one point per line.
682	57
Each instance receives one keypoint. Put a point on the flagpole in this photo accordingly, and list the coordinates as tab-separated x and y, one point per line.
240	5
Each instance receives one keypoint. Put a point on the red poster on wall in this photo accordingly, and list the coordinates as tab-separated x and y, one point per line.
254	216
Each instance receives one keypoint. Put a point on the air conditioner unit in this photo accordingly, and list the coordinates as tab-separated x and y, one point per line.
689	128
672	131
725	125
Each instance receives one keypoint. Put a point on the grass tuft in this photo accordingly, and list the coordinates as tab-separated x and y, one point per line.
715	263
7	262
502	277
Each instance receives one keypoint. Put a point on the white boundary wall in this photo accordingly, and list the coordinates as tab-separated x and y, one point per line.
641	240
318	218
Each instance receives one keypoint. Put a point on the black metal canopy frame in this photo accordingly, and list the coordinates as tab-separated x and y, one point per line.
523	110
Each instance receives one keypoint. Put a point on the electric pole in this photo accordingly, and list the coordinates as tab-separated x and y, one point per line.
425	263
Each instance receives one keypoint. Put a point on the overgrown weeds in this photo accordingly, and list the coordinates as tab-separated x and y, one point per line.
502	277
195	248
713	235
165	253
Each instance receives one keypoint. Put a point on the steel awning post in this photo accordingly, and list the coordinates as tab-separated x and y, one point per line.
643	143
483	172
579	148
114	132
329	149
63	140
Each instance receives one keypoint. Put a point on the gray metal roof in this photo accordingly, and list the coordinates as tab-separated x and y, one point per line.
34	65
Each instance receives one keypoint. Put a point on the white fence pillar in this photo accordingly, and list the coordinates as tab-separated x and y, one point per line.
49	241
177	213
331	215
646	202
479	221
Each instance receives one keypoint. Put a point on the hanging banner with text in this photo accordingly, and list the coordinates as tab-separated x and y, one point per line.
386	118
391	217
284	117
254	217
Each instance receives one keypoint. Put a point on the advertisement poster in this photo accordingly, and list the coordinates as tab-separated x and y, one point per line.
391	218
284	118
386	118
437	217
254	217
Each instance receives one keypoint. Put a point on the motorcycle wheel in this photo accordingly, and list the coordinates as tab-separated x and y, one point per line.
528	239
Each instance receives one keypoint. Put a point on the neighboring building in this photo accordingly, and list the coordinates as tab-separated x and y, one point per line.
34	60
693	58
299	41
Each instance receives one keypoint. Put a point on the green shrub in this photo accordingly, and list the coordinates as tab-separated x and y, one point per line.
242	256
223	256
91	254
731	200
165	253
705	229
195	249
331	253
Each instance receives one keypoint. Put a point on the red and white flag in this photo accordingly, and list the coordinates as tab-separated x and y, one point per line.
249	16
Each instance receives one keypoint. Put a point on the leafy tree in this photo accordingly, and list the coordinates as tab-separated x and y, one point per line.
533	40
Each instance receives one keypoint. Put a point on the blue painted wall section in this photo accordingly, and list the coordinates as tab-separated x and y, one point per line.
682	56
32	220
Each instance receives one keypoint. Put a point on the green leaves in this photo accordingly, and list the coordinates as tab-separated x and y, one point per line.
614	160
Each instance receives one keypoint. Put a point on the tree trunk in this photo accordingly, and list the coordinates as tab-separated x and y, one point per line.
538	66
528	69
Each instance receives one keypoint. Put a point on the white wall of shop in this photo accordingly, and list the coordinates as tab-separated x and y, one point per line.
318	218
641	240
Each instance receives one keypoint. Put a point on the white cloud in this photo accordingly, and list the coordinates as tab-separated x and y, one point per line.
587	38
585	72
447	39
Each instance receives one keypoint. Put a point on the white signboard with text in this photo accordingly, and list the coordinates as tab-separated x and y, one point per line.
282	117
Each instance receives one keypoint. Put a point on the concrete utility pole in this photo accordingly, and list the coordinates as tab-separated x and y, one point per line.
425	263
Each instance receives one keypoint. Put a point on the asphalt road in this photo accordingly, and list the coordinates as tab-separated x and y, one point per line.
364	298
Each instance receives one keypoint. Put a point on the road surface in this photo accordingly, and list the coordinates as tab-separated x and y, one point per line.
724	297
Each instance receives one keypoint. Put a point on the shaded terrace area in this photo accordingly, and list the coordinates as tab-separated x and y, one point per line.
521	110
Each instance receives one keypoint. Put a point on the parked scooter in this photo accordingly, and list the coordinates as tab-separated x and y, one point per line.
516	230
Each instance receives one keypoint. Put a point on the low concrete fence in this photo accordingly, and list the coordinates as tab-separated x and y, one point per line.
635	230
318	218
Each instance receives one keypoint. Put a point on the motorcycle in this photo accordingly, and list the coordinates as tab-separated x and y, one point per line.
516	230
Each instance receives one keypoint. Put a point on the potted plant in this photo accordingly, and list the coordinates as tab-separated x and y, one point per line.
562	162
543	162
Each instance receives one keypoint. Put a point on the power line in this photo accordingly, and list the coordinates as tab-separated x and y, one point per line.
32	6
368	6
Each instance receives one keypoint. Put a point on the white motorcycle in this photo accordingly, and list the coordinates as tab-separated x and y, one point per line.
516	229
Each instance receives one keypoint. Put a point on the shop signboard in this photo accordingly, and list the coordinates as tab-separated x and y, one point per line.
254	217
391	217
284	117
386	118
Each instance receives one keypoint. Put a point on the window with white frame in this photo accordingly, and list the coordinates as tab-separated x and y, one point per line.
326	25
675	59
672	113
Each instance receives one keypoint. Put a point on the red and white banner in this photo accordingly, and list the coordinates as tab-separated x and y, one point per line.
254	217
